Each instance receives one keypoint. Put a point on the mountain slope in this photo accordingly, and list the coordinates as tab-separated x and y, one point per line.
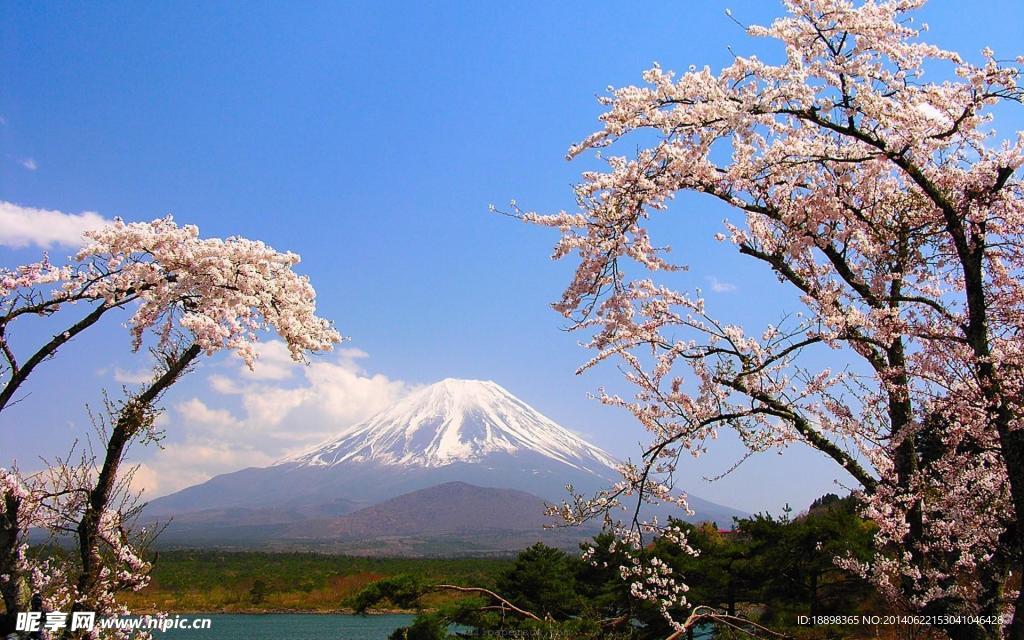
453	507
455	431
451	519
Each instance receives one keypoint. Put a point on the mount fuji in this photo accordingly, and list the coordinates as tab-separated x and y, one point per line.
470	440
457	421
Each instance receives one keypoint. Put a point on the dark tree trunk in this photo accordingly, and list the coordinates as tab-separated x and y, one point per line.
14	596
130	420
814	595
1000	409
731	595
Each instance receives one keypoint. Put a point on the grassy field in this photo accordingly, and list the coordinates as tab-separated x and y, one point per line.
264	582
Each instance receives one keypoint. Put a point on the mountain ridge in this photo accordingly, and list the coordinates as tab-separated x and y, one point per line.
454	421
456	431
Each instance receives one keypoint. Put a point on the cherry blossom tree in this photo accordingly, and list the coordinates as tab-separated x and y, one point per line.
193	296
881	195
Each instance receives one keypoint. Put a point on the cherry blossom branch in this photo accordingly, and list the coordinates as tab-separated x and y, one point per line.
135	415
20	374
880	198
704	613
209	294
490	594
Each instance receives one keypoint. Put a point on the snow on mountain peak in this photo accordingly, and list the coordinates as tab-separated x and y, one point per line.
456	421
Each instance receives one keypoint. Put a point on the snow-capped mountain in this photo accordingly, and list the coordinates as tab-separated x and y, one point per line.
456	421
454	431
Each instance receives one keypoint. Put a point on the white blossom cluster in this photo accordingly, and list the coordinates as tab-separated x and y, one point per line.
193	296
884	199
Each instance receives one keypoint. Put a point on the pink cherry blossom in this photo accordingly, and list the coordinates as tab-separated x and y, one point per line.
865	174
216	293
192	296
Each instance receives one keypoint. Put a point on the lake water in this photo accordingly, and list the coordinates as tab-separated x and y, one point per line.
302	626
285	626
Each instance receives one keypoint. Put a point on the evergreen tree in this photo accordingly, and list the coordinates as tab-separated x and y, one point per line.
543	580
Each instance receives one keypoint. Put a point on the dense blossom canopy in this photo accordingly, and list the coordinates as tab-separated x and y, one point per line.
882	194
222	291
193	296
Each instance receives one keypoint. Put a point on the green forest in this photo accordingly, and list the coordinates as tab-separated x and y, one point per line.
764	569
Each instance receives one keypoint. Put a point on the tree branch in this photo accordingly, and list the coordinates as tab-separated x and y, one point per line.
488	592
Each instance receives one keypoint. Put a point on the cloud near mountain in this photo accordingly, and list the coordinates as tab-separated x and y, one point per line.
253	418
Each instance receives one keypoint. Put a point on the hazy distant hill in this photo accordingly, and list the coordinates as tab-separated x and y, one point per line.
453	507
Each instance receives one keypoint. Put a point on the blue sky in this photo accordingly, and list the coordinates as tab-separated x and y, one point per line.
370	138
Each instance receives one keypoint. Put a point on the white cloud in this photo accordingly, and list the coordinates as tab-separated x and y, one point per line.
720	286
144	479
939	118
28	163
177	466
343	394
274	415
24	226
224	385
195	412
126	376
352	354
273	362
